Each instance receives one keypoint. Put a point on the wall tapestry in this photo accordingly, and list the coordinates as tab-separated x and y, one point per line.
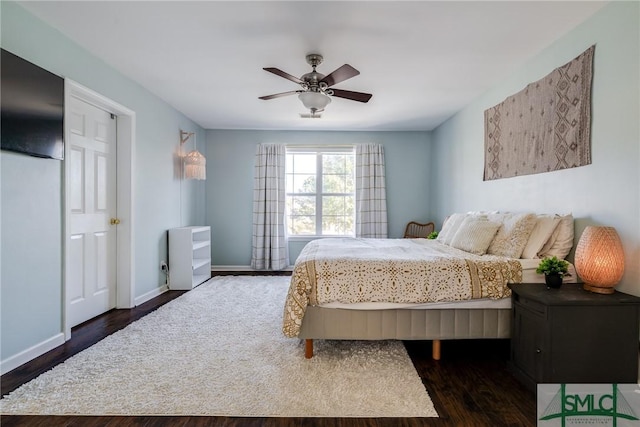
545	127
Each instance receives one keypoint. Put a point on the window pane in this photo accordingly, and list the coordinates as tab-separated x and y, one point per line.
334	164
337	215
349	186
303	184
349	162
337	172
301	205
333	184
333	205
302	225
340	225
304	163
350	205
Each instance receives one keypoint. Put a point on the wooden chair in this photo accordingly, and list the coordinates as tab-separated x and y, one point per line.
416	230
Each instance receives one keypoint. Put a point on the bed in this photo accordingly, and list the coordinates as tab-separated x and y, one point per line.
419	289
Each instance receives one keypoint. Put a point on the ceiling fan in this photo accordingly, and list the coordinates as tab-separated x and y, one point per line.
317	88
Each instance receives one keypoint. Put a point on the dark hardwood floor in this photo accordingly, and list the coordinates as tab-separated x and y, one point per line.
469	386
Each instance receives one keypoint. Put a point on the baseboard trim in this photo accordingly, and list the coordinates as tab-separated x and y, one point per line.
150	295
221	268
31	353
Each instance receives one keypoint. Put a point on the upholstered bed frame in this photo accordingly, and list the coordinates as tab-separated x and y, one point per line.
404	324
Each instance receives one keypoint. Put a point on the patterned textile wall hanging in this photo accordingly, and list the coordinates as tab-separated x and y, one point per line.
543	128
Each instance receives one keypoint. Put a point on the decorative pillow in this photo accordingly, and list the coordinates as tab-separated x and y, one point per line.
513	234
544	228
482	212
561	241
450	227
475	234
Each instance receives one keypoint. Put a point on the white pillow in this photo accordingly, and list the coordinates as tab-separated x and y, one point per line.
475	234
482	212
561	241
545	226
450	227
513	234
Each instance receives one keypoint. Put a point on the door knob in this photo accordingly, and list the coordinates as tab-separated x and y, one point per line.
115	221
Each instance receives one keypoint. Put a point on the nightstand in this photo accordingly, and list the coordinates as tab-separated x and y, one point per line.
569	335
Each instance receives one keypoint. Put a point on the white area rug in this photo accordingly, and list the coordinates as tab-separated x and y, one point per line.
219	350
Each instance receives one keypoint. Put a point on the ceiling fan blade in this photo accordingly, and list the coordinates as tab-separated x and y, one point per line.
341	74
354	96
281	73
278	95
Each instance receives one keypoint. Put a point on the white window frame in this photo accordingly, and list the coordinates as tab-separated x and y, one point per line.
319	194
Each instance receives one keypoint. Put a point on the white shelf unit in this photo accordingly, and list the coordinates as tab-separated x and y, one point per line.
189	257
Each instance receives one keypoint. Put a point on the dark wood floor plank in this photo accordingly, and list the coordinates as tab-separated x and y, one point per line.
472	383
470	386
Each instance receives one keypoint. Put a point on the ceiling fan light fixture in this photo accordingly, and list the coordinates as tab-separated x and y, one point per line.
317	89
314	101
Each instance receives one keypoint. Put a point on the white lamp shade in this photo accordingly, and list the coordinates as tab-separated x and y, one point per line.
599	259
314	100
195	165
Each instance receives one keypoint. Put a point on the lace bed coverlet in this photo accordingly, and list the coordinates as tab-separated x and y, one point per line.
350	270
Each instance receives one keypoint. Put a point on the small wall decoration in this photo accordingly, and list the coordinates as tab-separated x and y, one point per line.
543	128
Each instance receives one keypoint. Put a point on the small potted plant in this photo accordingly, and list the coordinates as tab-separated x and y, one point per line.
554	270
432	235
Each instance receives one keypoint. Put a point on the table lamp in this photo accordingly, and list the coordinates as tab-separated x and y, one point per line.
599	259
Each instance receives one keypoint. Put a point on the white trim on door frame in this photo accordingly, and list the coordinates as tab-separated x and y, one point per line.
126	130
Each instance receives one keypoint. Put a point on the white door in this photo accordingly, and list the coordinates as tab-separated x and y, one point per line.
91	268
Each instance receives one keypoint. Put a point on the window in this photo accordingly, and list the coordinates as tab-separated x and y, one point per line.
320	192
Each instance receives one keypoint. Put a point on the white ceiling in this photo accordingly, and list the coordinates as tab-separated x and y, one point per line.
421	60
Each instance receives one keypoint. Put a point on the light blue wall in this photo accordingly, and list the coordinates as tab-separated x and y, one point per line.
31	290
31	258
230	162
606	192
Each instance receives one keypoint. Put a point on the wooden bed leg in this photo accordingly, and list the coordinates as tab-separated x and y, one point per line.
435	350
308	349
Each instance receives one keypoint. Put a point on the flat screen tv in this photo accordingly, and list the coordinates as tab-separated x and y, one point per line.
32	108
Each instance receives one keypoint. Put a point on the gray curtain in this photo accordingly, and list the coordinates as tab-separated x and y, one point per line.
269	247
371	193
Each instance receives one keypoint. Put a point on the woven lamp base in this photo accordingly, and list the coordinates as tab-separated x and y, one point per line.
598	289
599	259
